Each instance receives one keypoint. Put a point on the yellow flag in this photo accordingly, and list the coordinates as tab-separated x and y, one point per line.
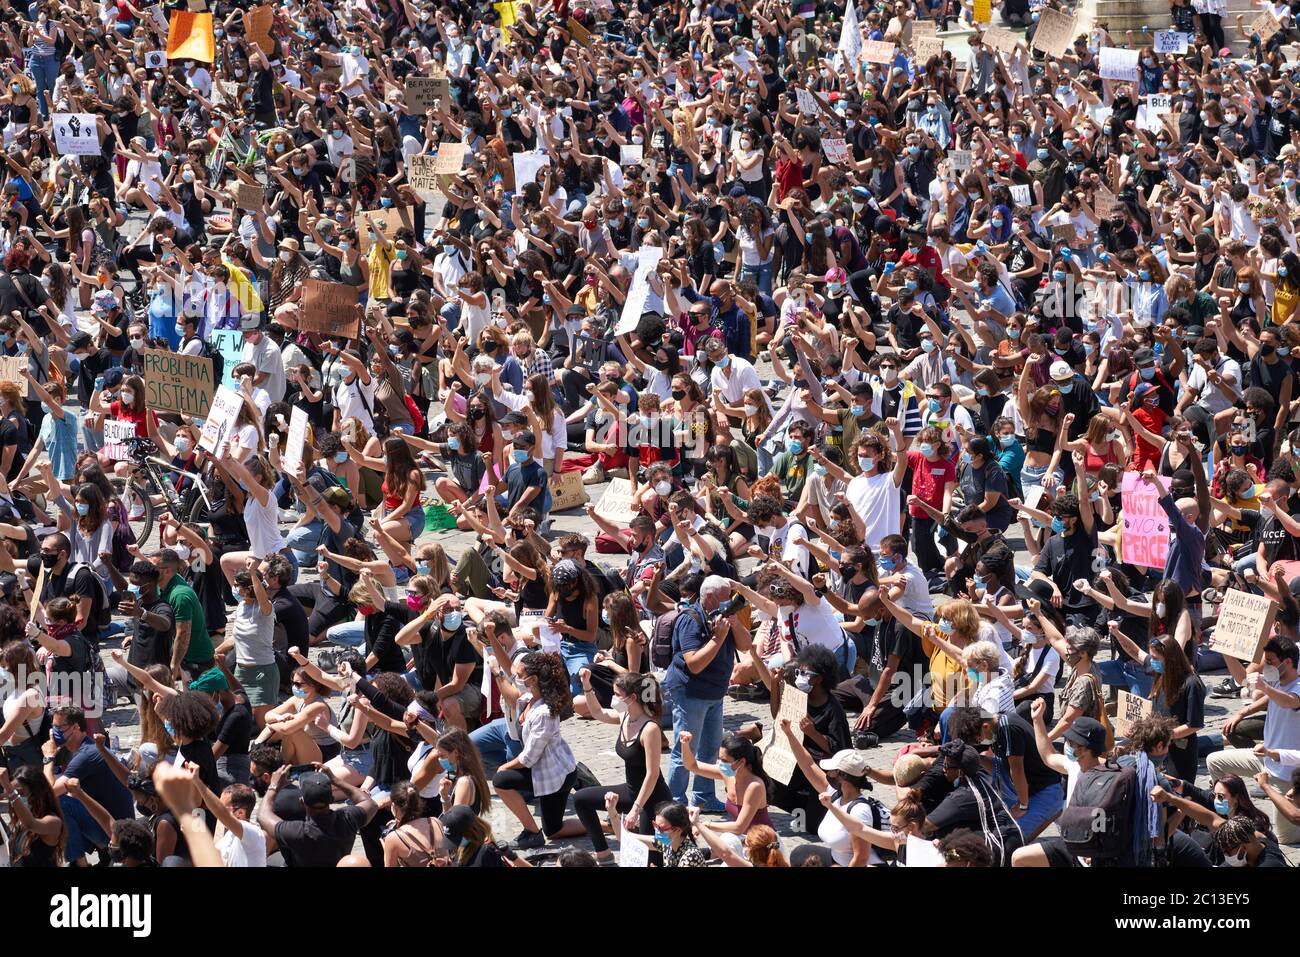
243	288
982	12
507	13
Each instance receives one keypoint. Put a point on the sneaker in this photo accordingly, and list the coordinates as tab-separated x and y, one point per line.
865	740
754	692
528	840
1227	688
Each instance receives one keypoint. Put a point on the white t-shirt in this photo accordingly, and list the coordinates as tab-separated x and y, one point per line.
265	357
834	835
348	400
916	592
264	536
815	625
733	387
878	502
246	851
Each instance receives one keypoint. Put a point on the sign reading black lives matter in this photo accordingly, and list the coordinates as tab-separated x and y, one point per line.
177	383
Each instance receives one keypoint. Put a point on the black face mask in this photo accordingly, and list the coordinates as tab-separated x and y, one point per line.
48	560
476	414
679	394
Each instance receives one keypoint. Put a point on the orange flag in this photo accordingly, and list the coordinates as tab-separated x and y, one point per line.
189	37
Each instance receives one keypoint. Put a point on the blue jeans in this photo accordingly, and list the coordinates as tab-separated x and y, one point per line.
702	717
762	274
45	70
304	539
83	833
351	633
1043	806
577	655
494	743
1126	674
94	440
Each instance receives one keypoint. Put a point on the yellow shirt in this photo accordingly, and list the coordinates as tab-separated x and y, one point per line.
947	677
380	259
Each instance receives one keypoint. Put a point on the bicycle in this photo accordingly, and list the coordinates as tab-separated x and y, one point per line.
138	490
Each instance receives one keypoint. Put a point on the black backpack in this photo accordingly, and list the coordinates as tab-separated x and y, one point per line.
1098	822
218	360
661	639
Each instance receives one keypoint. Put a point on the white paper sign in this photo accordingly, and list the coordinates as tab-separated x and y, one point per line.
630	154
486	686
647	259
527	166
221	418
1171	41
633	853
1020	192
922	853
155	60
549	638
807	105
1116	63
836	150
76	134
116	434
297	440
1149	113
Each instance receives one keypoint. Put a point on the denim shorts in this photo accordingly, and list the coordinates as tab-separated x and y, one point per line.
359	760
415	520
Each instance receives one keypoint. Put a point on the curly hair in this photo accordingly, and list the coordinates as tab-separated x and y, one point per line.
192	714
552	680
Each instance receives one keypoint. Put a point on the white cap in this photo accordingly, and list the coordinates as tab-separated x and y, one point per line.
1061	371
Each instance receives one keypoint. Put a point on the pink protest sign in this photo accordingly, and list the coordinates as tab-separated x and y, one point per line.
1145	538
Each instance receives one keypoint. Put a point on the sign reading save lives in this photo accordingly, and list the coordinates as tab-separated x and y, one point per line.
178	383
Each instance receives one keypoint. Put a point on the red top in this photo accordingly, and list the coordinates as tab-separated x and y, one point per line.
929	479
141	419
1153	420
928	259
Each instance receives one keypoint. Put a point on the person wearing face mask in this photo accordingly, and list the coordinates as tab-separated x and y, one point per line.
300	724
71	753
1278	696
637	709
446	663
235	727
1243	845
153	621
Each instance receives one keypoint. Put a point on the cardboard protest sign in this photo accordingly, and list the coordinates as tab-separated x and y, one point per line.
778	759
1245	622
424	93
196	6
221	418
329	308
1144	539
1131	708
13	368
76	134
927	48
579	33
924	28
189	37
836	151
1001	39
421	172
385	223
36	593
450	158
615	504
1116	63
116	434
178	383
248	196
292	457
877	51
1171	41
257	25
1104	202
1265	24
1055	32
1063	232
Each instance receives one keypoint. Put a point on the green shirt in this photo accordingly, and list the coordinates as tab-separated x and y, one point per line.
185	603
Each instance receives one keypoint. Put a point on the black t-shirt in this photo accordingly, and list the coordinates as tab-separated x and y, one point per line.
321	841
236	729
932	787
913	664
81	585
290	621
382	626
438	656
1066	559
1015	739
153	646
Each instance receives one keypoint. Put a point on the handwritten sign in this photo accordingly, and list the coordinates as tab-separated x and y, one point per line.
1116	63
116	434
296	442
631	154
1131	708
982	11
421	173
1168	41
177	383
615	505
76	134
778	759
924	28
230	343
1245	621
927	48
633	852
959	161
1001	39
1265	24
1144	540
424	93
1021	194
579	33
1054	33
329	308
13	369
1104	202
450	158
807	105
877	51
1064	233
527	166
385	223
221	418
836	150
248	196
647	259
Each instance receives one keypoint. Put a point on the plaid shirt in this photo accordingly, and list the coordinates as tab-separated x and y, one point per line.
539	363
545	752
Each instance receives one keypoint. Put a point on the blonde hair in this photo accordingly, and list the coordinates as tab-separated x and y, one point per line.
908	768
965	620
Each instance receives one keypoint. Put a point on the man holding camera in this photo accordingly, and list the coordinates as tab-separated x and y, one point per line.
705	641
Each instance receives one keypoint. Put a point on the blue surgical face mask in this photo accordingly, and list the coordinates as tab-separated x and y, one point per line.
300	692
927	346
1222	807
1069	752
726	769
453	443
1058	525
1065	387
857	411
886	563
423	568
935	405
452	620
167	726
927	449
1043	154
446	765
796	447
520	455
662	839
1157	666
979	582
1148	373
134	589
340	457
83	508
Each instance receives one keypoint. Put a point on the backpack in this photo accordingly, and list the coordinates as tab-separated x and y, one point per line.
1098	821
104	614
661	639
218	360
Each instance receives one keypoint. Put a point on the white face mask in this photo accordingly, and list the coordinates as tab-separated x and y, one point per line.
285	255
1270	675
751	410
128	398
137	344
182	551
481	378
619	705
1160	609
1237	861
183	446
663	487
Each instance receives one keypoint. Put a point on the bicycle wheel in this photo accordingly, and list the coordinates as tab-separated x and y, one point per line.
139	508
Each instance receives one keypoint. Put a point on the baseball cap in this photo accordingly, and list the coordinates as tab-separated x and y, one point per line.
1143	390
210	680
113	377
1061	371
713	344
1143	356
250	323
850	761
316	790
1088	733
524	438
338	497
